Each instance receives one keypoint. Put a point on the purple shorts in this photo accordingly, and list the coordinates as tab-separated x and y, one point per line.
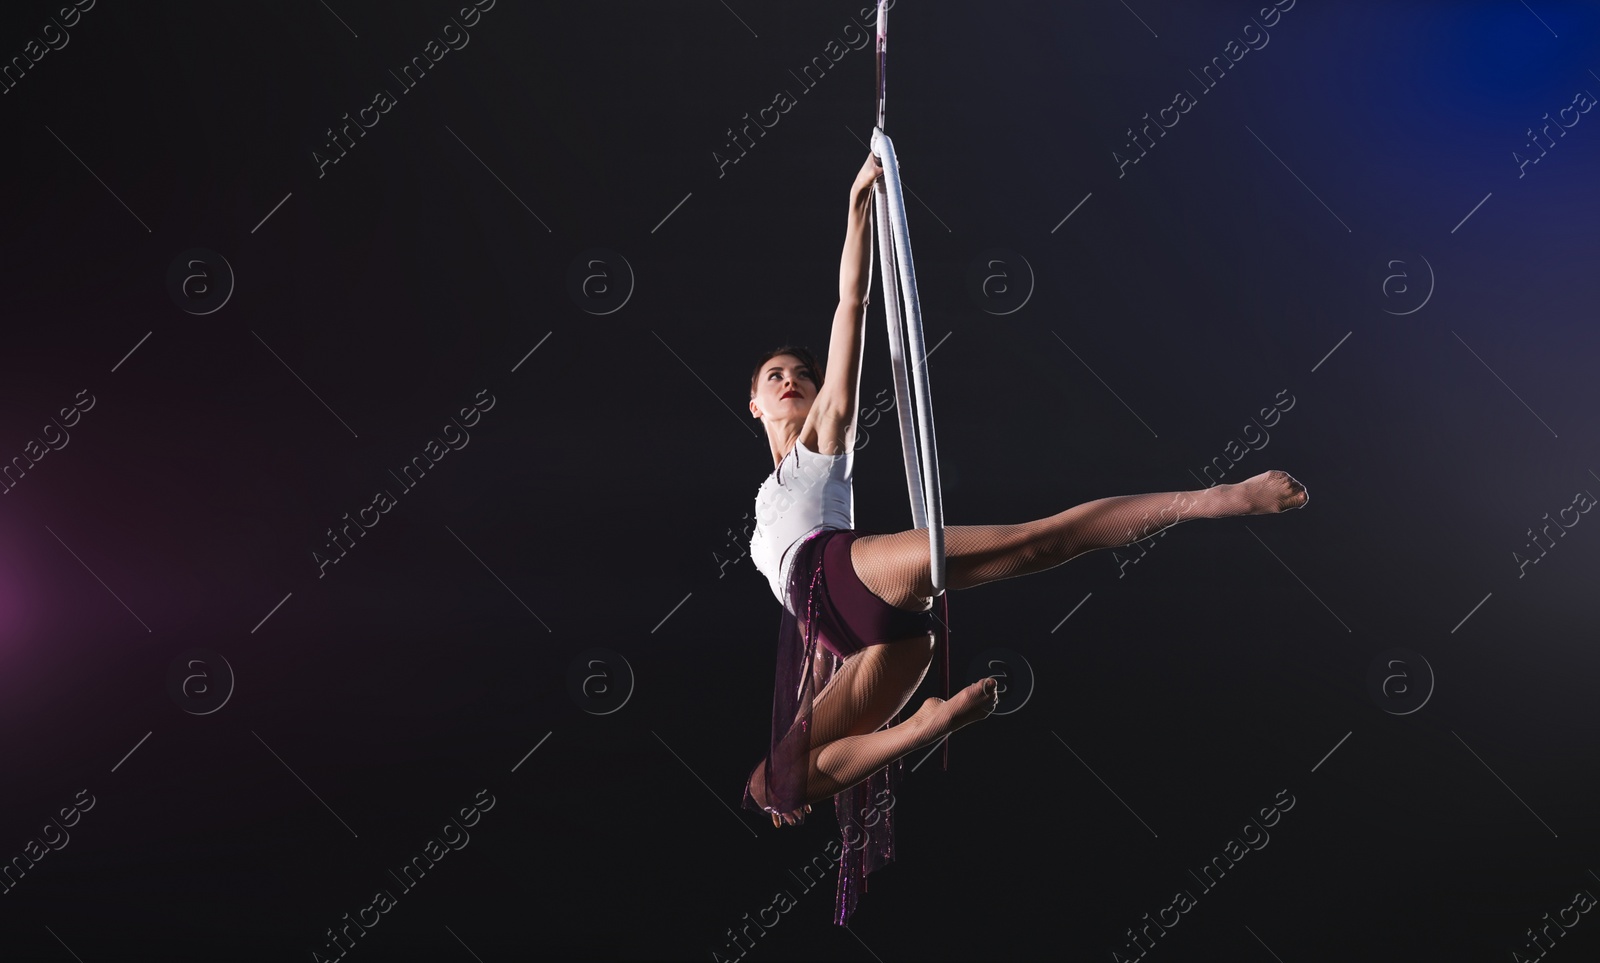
849	617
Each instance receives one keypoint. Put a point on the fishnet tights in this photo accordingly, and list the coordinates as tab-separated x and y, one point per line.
895	566
848	738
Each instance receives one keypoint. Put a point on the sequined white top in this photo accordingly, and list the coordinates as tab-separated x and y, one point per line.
806	492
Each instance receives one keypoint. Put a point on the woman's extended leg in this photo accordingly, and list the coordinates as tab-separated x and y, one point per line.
895	567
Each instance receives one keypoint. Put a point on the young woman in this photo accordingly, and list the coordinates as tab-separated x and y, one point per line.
867	597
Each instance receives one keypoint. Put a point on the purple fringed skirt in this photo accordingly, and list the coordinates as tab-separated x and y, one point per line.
835	617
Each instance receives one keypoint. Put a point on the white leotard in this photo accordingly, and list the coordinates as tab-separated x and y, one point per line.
806	492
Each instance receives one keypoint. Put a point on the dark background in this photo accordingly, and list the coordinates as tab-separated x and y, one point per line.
1320	199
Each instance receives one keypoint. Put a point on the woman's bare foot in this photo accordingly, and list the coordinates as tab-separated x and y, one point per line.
1265	494
971	704
790	819
758	791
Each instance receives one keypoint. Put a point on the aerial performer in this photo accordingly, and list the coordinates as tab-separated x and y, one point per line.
865	613
859	626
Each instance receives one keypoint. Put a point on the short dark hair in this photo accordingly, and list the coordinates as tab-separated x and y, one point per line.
806	360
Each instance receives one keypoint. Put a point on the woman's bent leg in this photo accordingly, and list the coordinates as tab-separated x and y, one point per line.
840	764
863	696
849	739
869	689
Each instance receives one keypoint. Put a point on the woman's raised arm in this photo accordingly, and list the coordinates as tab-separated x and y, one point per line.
843	375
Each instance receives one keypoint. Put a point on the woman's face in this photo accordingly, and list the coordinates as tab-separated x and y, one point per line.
785	388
